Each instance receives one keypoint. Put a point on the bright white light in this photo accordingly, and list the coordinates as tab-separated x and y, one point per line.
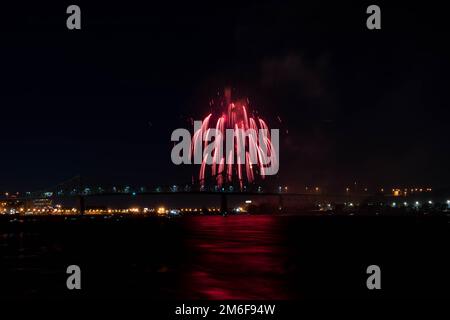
394	204
248	201
405	204
430	202
417	203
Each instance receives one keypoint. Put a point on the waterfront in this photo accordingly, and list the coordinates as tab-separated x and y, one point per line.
215	257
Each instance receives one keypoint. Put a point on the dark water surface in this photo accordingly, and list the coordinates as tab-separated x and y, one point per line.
215	257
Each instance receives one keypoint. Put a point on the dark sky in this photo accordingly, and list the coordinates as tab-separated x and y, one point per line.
355	105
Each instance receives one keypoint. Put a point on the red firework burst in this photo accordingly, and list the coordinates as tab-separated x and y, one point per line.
244	160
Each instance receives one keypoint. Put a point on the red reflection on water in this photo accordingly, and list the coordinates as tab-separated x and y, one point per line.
236	257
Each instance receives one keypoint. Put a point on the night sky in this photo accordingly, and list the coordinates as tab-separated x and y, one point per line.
355	105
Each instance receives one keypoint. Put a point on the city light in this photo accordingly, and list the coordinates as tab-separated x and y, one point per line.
44	205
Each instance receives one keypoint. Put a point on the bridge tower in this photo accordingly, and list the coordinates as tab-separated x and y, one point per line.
280	203
81	205
223	204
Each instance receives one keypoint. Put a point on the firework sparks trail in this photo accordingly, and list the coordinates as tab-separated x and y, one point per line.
243	161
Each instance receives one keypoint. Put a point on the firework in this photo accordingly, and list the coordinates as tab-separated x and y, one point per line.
251	153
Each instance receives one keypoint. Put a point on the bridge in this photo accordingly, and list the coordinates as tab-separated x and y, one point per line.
78	188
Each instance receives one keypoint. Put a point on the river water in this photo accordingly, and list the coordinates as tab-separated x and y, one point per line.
264	257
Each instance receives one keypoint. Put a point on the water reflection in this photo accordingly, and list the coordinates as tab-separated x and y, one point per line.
237	257
215	257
